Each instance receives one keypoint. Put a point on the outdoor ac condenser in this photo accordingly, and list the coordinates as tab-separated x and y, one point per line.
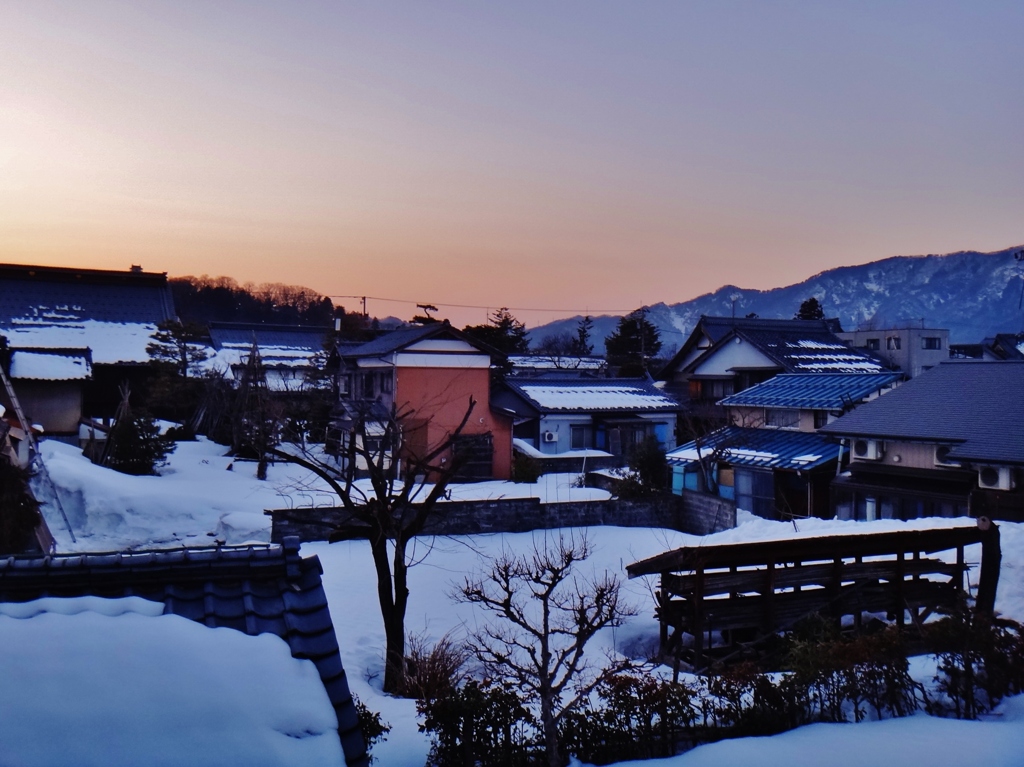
868	449
994	477
550	436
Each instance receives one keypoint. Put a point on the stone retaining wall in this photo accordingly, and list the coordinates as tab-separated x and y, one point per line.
518	515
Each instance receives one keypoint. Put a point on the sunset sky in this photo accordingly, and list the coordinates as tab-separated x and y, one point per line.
563	156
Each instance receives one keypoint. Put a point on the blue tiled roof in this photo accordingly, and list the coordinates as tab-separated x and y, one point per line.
39	294
977	407
762	448
236	334
253	589
813	391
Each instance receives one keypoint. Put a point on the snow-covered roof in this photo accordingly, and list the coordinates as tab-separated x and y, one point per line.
556	362
82	674
524	447
760	448
813	391
256	590
796	346
109	342
112	313
51	364
585	395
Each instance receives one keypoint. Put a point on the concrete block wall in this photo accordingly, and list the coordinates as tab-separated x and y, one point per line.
698	515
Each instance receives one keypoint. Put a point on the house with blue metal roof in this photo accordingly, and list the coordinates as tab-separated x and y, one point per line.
769	459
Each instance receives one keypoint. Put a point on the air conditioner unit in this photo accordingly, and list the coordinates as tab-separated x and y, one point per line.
994	477
550	436
868	449
942	456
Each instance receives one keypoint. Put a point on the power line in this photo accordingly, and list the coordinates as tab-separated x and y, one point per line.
588	311
491	306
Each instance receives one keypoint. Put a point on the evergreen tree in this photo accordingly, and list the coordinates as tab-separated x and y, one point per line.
258	419
581	345
503	332
810	310
635	342
135	445
178	346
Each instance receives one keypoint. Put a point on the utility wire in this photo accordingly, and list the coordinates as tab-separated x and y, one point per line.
491	306
588	311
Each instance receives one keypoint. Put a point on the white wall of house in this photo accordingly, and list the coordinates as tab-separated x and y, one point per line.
737	353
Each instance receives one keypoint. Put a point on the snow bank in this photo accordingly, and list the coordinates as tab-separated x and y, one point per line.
113	682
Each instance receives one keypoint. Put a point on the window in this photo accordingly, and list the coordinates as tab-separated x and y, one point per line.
873	344
581	437
755	492
892	343
931	342
782	419
720	389
385	382
820	418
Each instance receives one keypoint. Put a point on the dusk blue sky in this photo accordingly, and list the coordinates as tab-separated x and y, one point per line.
563	155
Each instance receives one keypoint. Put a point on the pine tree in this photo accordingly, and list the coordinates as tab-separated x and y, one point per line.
135	444
635	342
257	422
810	310
178	346
581	345
503	332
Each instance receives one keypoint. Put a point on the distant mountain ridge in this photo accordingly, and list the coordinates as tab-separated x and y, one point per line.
972	294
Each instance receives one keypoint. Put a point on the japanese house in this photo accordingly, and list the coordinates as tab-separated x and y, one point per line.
426	376
948	443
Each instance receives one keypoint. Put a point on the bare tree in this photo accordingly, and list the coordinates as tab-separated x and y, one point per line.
392	505
547	613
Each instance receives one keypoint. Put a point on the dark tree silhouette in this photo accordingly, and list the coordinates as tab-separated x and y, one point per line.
635	342
810	310
393	505
502	332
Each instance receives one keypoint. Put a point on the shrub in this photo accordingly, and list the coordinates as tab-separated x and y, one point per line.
373	727
640	717
480	724
981	661
433	672
525	469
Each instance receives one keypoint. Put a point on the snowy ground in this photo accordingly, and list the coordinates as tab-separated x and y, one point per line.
198	501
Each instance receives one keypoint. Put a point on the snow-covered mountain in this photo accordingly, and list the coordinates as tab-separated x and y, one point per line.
972	294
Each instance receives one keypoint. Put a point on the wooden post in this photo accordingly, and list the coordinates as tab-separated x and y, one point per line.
901	571
769	598
991	558
698	618
662	617
961	567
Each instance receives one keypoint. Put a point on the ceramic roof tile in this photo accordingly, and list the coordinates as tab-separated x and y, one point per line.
977	407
